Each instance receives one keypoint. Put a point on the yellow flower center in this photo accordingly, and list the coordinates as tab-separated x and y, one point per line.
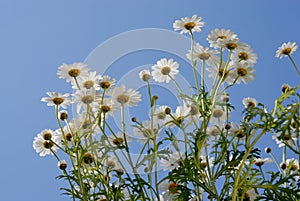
88	158
189	25
231	46
165	70
217	113
204	56
122	98
57	100
243	56
88	99
172	187
161	115
48	144
74	72
286	51
104	85
105	108
118	141
221	37
88	84
241	72
47	136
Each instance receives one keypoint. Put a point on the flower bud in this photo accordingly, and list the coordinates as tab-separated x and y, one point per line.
268	150
62	164
63	115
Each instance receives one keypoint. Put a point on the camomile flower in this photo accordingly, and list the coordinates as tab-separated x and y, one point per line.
89	81
242	73
124	97
245	56
201	53
173	161
108	107
57	99
236	131
218	38
249	102
292	164
145	132
260	161
286	49
145	75
186	24
213	131
177	118
218	115
169	190
287	138
106	82
160	115
118	139
218	71
44	142
165	70
87	98
70	72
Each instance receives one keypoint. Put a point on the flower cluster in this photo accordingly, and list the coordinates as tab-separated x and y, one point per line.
203	155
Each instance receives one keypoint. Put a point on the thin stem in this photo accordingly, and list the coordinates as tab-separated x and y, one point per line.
194	62
294	64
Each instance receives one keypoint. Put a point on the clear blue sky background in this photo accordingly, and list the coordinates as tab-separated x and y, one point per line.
38	35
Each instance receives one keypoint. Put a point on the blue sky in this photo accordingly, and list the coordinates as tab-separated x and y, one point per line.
38	35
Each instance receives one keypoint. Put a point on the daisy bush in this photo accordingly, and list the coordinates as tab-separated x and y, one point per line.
192	152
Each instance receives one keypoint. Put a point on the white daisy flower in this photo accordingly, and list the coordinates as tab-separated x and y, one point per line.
215	70
292	164
237	131
288	138
60	136
193	110
245	56
118	139
204	161
145	75
243	73
260	161
70	72
201	53
174	160
165	70
213	131
108	107
112	163
249	102
218	115
44	142
85	98
122	97
57	99
89	81
84	126
62	164
218	38
160	115
186	24
106	82
169	190
251	195
144	132
286	49
181	113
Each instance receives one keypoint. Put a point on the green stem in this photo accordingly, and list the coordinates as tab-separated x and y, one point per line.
194	62
294	64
